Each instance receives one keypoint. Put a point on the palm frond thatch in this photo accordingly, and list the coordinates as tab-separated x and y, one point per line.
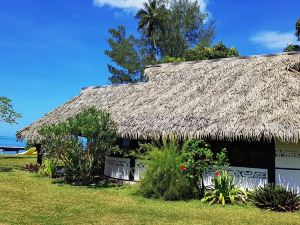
244	97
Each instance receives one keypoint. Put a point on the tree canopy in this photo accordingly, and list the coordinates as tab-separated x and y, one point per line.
203	53
128	54
169	30
7	113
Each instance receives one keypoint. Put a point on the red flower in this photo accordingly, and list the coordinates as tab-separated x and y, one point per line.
182	167
217	173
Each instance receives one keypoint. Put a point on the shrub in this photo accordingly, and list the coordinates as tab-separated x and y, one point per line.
224	191
276	198
81	143
292	48
163	177
204	53
32	168
169	59
198	160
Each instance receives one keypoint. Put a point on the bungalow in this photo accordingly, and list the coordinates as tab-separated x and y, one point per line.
250	105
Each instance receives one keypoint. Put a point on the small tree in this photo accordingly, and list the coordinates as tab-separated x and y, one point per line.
7	113
292	47
81	143
199	159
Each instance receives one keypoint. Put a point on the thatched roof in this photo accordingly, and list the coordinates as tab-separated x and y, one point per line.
244	97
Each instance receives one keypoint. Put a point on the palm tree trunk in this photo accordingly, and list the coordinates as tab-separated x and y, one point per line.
154	46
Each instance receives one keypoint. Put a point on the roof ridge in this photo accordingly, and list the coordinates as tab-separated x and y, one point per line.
226	59
111	85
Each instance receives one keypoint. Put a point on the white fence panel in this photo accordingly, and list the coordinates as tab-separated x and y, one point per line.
116	167
139	169
244	177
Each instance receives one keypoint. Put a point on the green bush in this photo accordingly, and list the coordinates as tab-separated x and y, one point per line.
198	160
215	52
81	143
163	177
276	198
224	190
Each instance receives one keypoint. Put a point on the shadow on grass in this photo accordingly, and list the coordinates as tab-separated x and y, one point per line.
6	169
98	185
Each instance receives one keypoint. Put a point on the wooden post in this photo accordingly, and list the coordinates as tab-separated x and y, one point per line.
39	159
271	164
132	168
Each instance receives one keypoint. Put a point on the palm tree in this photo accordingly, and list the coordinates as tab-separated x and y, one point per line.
150	21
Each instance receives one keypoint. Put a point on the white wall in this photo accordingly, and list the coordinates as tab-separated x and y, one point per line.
287	164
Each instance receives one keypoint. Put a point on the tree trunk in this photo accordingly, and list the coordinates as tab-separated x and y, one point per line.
155	47
39	159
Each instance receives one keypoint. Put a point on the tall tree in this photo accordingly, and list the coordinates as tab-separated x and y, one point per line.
174	26
7	113
185	26
167	28
150	22
127	54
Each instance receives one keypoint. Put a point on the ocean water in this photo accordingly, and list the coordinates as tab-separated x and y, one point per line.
11	142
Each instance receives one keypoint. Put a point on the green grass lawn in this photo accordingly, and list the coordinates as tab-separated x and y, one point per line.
28	199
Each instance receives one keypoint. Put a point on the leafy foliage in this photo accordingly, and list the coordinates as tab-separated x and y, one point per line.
7	113
292	48
184	26
276	198
198	160
225	191
32	168
163	178
150	22
204	53
129	56
166	28
81	157
48	168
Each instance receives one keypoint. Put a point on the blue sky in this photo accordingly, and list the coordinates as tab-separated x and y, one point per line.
50	49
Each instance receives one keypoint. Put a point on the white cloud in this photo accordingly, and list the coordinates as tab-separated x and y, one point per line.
134	4
273	40
122	4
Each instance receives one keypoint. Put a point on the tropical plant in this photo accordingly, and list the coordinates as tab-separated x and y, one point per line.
224	190
275	198
81	143
166	28
150	21
163	178
7	113
198	159
32	168
48	168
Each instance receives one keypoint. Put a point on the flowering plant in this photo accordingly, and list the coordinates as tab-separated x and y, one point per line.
182	167
225	190
198	160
